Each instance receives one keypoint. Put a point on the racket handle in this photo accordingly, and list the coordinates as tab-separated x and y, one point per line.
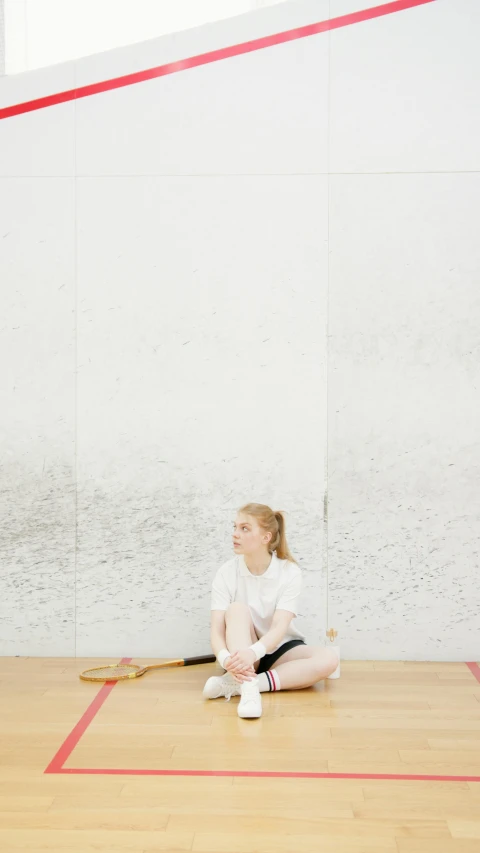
201	659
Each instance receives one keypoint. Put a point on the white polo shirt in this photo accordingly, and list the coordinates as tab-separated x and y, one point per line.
278	588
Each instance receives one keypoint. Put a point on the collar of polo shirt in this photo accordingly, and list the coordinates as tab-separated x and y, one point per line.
244	570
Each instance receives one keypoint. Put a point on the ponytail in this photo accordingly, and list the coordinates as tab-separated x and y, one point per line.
282	549
274	523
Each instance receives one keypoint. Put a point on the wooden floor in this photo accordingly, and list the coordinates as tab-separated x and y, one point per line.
403	719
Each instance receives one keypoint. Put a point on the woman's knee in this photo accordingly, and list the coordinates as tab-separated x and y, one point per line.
324	662
237	610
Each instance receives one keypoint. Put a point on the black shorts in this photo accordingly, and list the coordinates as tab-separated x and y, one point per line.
268	660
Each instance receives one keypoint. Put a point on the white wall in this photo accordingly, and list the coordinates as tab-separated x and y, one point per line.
255	280
45	32
2	37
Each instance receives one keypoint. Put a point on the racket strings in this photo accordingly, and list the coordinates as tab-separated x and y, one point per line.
114	671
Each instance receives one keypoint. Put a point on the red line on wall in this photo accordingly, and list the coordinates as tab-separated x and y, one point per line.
212	56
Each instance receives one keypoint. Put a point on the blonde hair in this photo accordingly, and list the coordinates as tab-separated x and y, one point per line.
274	523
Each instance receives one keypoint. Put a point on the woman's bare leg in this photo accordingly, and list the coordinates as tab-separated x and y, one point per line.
304	666
240	632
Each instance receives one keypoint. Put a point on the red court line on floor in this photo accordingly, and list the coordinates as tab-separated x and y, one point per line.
69	744
56	765
475	670
266	774
212	56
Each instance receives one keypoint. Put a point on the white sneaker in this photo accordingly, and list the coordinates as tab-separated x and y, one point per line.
250	705
223	685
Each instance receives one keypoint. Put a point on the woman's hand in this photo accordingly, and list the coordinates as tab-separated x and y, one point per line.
240	665
240	675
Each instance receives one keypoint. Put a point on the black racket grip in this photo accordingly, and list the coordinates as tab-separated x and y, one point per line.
201	659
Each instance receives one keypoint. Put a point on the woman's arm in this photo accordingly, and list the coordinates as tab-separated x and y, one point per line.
218	642
218	639
274	636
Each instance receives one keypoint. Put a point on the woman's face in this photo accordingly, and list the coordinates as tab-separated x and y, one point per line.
248	536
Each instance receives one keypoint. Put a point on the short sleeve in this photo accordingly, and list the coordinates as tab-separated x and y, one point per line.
290	595
221	596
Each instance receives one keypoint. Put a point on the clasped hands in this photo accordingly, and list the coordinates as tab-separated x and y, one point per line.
240	665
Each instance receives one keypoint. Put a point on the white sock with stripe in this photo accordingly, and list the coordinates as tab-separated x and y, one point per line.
268	682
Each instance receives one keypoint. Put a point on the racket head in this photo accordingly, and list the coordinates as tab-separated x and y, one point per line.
112	672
